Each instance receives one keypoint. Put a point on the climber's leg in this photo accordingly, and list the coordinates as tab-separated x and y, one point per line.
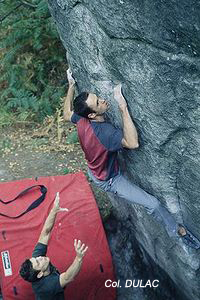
130	192
123	188
134	194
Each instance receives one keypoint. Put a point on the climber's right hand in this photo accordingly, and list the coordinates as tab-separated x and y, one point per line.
119	97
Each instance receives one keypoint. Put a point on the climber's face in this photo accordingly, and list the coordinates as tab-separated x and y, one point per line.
97	104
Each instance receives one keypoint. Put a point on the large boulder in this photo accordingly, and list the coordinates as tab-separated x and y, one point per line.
153	48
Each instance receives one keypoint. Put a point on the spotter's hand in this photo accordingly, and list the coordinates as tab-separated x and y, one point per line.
56	205
80	248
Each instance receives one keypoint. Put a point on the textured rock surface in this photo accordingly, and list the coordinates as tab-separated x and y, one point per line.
153	48
132	262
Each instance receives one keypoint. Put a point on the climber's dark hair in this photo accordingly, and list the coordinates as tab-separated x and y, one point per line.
27	272
80	106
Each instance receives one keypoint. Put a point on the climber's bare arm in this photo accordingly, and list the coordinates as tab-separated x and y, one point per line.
67	110
130	138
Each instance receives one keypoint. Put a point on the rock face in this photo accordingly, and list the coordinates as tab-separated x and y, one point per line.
153	48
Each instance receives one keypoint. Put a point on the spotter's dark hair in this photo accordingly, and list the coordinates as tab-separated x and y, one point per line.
27	272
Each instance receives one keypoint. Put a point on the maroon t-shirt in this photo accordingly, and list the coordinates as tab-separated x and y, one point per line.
100	142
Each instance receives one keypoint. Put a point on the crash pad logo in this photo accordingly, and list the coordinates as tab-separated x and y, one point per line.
6	263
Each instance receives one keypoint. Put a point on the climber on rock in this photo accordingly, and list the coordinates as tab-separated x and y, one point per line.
47	282
101	142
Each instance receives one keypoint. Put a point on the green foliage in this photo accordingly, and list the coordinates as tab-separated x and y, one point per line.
66	171
8	118
72	138
32	60
5	143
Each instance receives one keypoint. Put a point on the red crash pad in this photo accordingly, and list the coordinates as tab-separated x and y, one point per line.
19	236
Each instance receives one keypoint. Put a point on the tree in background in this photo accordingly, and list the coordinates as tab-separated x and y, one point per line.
32	61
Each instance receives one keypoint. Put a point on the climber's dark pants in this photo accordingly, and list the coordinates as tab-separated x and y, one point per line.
123	188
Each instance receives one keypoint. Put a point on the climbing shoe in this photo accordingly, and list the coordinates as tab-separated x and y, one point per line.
189	239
